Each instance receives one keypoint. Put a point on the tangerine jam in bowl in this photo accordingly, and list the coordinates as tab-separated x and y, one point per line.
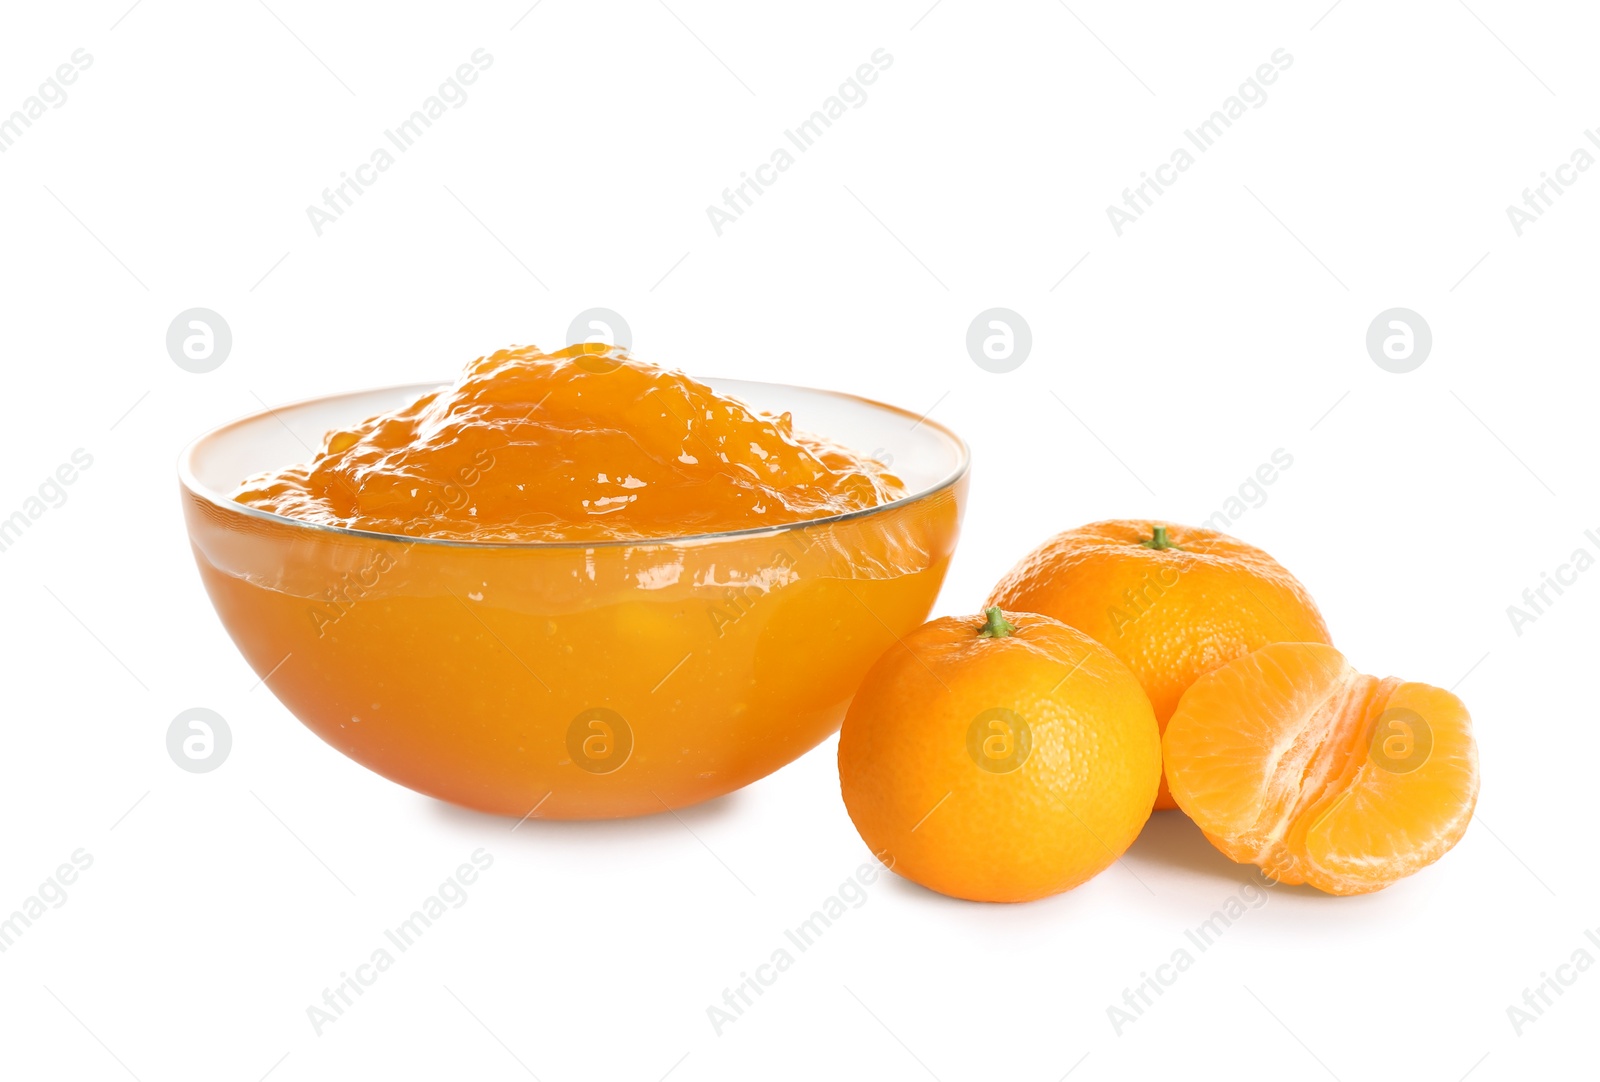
585	679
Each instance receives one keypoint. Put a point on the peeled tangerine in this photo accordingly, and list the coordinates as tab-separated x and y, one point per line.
1289	759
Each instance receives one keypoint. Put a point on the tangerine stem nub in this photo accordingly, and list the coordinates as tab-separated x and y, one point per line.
1159	541
995	625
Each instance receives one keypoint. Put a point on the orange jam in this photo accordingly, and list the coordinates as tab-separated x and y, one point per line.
707	621
577	445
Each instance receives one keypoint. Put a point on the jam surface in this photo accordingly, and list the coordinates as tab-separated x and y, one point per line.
576	445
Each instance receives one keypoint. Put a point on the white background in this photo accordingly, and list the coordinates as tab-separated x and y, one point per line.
1227	323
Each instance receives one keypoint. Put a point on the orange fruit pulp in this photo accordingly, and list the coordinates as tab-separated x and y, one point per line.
1289	759
999	758
1171	602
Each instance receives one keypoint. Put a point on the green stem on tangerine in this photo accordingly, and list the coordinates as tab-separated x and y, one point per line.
995	624
1160	540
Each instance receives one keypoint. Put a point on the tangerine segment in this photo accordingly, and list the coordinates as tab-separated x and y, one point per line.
1377	824
1290	759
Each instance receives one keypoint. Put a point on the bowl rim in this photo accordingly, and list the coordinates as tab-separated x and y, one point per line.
194	487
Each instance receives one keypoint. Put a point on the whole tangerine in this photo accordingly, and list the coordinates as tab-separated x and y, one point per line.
999	758
1171	602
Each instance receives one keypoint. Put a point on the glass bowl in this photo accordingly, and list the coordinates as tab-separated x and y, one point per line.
573	680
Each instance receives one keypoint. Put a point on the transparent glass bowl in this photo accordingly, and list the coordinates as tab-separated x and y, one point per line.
582	680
